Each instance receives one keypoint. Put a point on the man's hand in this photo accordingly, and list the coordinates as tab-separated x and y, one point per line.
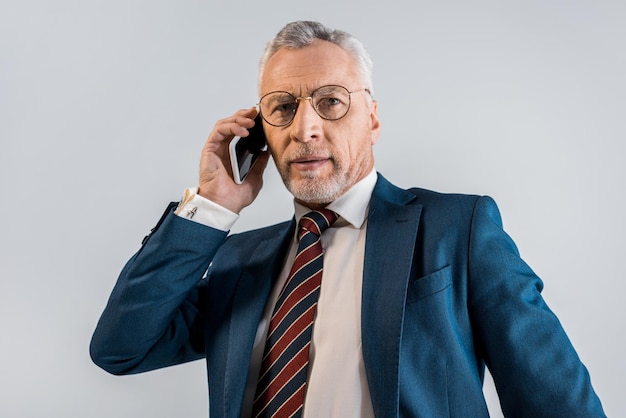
216	180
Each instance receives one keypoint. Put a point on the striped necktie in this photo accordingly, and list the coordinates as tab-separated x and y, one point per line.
282	379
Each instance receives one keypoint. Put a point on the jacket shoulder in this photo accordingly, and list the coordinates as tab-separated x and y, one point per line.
433	197
390	192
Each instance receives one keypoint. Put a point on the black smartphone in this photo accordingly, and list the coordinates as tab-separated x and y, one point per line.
245	151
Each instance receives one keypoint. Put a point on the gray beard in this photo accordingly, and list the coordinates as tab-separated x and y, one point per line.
312	190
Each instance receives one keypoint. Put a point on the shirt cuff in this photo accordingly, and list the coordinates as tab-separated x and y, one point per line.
203	211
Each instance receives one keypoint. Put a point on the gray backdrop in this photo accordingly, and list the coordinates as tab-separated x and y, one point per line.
105	105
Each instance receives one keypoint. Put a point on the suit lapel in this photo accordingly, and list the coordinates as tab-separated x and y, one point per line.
391	233
249	302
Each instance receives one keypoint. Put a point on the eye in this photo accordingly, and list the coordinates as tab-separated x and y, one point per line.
331	105
284	108
330	101
278	107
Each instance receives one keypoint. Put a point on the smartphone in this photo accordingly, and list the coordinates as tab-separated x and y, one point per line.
245	151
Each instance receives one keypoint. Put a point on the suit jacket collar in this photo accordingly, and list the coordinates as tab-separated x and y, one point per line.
390	242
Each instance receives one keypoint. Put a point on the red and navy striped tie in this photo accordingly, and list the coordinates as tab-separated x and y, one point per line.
282	379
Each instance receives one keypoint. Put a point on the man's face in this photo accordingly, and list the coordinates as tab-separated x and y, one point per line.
320	159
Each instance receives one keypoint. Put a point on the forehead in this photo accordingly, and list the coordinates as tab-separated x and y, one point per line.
304	69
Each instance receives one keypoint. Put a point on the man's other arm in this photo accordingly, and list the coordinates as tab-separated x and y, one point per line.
152	318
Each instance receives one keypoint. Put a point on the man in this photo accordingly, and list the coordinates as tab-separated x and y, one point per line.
420	290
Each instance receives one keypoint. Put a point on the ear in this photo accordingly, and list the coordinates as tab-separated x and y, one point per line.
374	122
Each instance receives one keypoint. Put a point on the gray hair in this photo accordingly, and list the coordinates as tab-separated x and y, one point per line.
302	33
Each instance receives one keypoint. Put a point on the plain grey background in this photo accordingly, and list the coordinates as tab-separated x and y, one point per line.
105	105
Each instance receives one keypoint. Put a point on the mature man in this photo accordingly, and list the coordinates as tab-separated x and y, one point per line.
420	290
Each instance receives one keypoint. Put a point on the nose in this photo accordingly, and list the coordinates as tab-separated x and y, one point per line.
306	124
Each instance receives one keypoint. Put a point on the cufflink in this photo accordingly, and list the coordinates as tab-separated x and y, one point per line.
191	212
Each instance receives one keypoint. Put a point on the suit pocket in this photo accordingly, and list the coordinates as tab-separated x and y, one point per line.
429	285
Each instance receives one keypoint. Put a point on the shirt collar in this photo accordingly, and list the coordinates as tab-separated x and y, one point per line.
352	206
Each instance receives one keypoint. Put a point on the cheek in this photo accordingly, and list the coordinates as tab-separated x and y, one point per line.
356	145
349	154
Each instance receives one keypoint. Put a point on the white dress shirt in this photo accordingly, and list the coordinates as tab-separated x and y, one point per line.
337	384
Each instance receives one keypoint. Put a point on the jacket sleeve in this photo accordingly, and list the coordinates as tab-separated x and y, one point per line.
152	318
535	368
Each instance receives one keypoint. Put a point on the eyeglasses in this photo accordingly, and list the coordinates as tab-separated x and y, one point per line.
278	108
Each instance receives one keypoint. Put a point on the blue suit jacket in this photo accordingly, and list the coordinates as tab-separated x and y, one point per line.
444	294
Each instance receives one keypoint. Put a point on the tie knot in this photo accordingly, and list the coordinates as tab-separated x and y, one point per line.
317	221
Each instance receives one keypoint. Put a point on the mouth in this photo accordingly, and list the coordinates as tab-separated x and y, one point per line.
309	162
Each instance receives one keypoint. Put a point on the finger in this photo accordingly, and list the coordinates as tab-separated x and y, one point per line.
236	125
244	118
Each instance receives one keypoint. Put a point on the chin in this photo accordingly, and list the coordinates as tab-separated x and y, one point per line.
314	190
